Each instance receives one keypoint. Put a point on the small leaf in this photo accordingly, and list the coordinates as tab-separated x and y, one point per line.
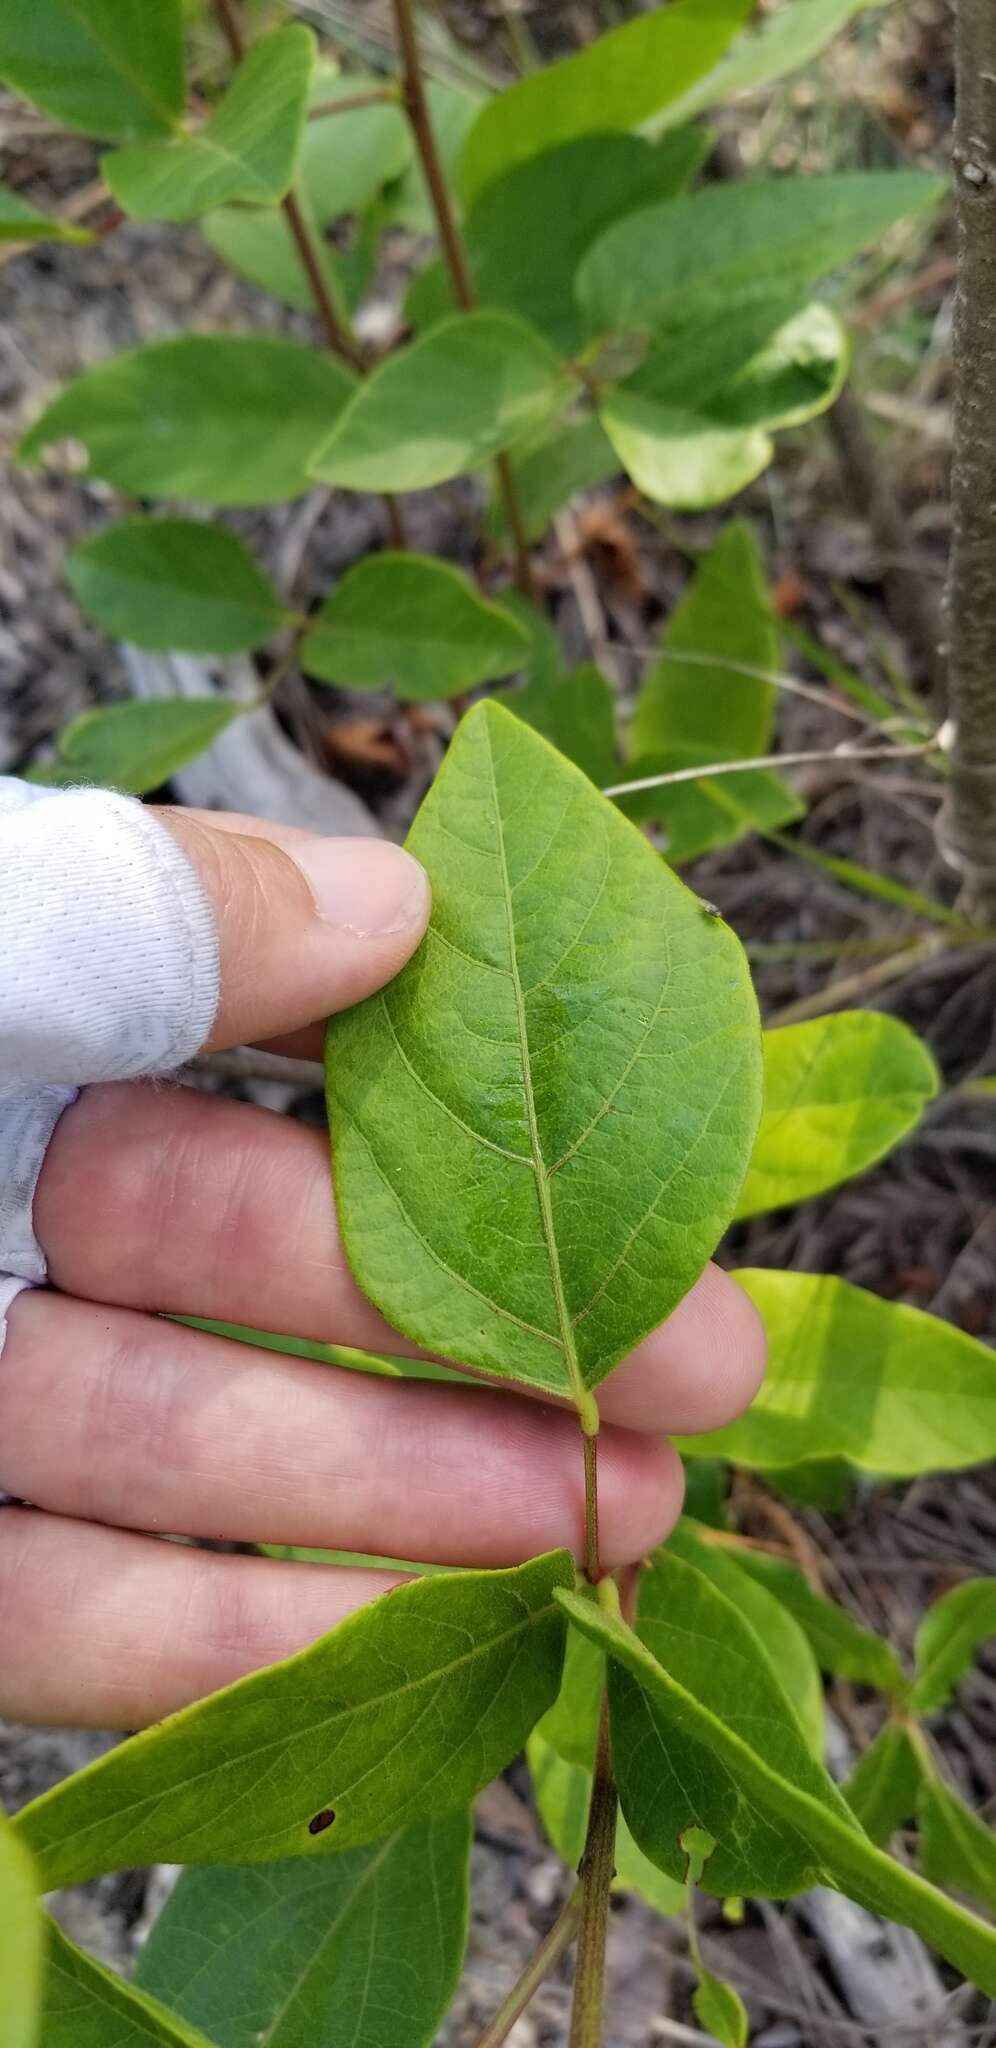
88	2006
882	1788
412	624
575	711
850	1376
109	68
617	83
136	747
368	1944
721	2010
230	419
839	1093
705	1741
957	1849
20	1945
20	222
175	583
723	613
947	1640
784	1642
409	1707
247	150
573	1047
717	810
780	43
564	458
464	391
840	1644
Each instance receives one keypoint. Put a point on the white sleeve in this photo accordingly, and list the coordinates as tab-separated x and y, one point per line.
108	970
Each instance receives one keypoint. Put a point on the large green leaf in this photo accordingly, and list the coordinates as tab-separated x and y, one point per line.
20	222
785	1643
729	247
783	42
839	1092
135	747
166	583
575	710
464	391
840	1644
362	1947
957	1849
231	419
247	150
408	1708
723	613
20	1945
705	1741
891	1389
617	83
88	2006
110	68
412	624
947	1639
882	1788
573	1047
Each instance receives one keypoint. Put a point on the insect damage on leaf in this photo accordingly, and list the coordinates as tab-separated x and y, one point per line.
321	1821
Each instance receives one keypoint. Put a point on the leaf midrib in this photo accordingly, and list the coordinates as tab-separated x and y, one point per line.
134	78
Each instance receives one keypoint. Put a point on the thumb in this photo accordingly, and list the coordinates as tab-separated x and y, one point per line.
306	925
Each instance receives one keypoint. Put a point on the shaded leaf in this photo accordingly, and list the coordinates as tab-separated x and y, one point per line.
136	747
882	1788
780	43
840	1644
522	1050
247	149
87	2005
575	711
565	458
947	1639
230	419
721	2010
723	613
318	1754
714	811
706	1742
784	1643
110	68
851	1376
563	1793
20	222
258	243
412	624
348	158
167	583
617	83
957	1849
20	1945
366	1946
453	109
839	1093
796	374
464	391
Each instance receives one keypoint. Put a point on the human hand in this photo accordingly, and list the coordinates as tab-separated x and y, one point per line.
121	1427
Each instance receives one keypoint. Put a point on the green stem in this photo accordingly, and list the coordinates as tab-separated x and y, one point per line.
551	1948
596	1871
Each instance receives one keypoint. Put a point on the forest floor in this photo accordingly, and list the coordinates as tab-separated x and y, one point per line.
919	1229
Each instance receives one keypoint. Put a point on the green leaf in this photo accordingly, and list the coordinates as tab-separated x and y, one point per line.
135	747
681	458
574	1048
714	811
20	1945
840	1644
721	2010
230	419
469	388
168	583
839	1093
110	68
20	222
893	1390
525	243
705	1741
785	1643
408	1708
882	1788
247	150
258	243
701	702
957	1849
453	109
411	624
826	1483
781	43
729	248
575	711
796	374
947	1640
88	2006
366	1946
617	83
349	157
563	1793
564	458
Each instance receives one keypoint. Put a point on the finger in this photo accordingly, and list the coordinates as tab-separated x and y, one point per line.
135	1628
119	1417
306	925
191	1205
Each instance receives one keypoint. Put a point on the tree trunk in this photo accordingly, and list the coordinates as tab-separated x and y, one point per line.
972	585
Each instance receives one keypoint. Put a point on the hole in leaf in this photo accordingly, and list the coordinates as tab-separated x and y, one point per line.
321	1821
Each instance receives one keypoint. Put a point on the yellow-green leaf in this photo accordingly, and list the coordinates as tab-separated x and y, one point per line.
20	1946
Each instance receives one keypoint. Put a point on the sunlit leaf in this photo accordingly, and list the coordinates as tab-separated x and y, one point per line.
110	68
412	624
136	747
951	1632
721	2010
166	583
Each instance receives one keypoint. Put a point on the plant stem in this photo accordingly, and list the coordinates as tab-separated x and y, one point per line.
454	253
378	96
592	1562
551	1948
839	755
596	1872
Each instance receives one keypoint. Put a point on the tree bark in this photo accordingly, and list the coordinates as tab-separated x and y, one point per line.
972	583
